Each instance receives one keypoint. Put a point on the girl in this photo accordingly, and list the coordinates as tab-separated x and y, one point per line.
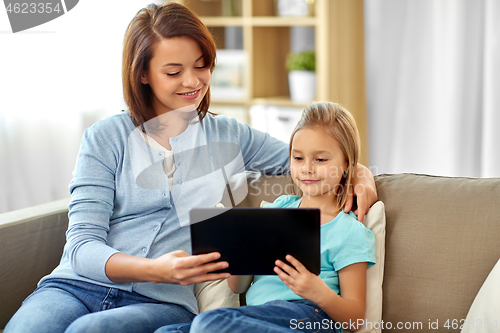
324	149
125	266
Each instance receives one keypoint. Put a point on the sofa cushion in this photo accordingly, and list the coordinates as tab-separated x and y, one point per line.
484	314
375	221
215	294
441	242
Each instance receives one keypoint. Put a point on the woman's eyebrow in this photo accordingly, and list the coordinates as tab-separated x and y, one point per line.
177	64
171	64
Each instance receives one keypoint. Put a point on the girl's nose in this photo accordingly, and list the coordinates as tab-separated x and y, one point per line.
307	167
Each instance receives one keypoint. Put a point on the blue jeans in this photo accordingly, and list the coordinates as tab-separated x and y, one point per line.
70	306
274	316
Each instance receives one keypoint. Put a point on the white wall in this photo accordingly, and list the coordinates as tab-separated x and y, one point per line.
56	79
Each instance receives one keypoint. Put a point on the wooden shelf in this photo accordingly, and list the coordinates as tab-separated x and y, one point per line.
229	101
263	21
278	100
339	46
278	21
223	21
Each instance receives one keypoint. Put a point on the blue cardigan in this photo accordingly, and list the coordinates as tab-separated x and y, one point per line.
120	201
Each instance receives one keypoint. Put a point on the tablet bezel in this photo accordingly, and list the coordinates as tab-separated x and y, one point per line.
251	239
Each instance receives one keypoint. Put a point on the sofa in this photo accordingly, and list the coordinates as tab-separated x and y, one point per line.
442	239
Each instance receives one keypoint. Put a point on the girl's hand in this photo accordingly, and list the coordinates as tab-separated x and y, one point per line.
300	280
363	187
179	267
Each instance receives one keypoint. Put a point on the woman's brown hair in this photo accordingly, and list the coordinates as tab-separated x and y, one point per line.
340	125
149	26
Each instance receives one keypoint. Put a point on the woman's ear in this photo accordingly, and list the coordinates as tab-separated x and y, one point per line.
144	79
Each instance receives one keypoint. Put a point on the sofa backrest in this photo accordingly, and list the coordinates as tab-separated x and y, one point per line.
442	240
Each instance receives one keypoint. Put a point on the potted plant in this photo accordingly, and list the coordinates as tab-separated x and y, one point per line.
301	68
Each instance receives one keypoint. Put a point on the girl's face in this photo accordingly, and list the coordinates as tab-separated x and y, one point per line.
316	162
177	75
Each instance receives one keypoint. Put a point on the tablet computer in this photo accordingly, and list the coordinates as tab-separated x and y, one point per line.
251	239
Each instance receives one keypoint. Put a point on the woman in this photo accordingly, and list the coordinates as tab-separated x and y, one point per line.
125	266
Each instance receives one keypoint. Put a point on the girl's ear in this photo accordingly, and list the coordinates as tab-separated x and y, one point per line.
144	79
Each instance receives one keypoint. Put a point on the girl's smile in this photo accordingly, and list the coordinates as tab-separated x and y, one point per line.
308	181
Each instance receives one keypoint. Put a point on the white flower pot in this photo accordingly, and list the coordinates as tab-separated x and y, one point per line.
302	86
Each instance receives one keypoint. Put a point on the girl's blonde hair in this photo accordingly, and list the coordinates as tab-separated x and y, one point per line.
340	124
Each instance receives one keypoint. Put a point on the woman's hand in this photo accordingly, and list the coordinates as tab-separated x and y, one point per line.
363	187
179	267
302	282
176	267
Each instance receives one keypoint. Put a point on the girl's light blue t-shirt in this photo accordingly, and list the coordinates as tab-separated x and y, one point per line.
344	241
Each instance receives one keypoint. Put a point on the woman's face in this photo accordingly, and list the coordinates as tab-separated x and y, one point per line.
177	75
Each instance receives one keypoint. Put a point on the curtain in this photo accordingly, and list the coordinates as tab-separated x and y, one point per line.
56	80
433	76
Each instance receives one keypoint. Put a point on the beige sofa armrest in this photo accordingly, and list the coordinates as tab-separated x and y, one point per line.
31	244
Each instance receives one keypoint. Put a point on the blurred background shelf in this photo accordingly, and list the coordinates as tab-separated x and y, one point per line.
334	29
264	21
278	100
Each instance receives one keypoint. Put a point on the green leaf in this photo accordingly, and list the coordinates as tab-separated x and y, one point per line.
305	60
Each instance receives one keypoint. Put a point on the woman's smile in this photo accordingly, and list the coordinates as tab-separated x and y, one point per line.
190	95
